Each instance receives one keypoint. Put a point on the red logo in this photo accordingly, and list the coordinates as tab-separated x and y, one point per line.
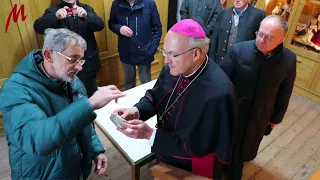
15	15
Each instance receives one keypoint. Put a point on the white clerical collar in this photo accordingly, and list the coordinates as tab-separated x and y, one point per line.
197	68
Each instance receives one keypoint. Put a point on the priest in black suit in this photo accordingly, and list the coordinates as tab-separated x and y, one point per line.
233	25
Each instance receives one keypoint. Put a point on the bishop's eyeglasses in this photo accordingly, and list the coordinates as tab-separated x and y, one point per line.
172	55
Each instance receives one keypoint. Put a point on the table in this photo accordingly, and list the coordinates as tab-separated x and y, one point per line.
137	152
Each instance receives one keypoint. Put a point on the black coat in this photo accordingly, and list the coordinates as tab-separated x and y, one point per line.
205	12
85	28
263	87
249	23
172	13
196	129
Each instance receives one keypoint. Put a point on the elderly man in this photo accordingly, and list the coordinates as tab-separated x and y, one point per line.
204	12
263	77
81	19
48	116
236	24
195	106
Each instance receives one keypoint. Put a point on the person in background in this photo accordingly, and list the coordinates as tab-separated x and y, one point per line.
172	13
195	105
236	24
137	24
81	19
48	116
278	10
204	12
263	72
223	3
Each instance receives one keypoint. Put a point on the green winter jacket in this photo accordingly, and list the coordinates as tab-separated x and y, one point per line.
48	137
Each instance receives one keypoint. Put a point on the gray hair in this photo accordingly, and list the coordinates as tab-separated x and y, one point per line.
58	39
282	22
202	43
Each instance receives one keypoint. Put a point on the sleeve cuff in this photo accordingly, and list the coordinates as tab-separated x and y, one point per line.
137	116
151	140
88	16
272	125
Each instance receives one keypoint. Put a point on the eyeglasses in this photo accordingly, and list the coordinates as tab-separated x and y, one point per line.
170	55
268	38
72	60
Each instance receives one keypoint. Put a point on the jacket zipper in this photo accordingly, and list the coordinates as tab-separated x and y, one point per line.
127	21
80	152
136	26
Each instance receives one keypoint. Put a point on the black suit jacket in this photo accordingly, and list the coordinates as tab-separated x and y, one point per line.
205	12
249	23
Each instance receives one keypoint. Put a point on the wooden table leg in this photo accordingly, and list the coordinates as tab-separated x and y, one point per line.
135	172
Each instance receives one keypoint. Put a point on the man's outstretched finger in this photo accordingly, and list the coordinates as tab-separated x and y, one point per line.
116	96
112	87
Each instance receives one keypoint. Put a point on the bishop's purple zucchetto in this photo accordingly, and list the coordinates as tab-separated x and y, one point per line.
189	27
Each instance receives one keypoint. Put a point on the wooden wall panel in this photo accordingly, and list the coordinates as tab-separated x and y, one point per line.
14	44
36	8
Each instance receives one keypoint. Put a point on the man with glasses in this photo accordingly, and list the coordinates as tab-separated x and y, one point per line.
263	72
235	24
194	102
48	116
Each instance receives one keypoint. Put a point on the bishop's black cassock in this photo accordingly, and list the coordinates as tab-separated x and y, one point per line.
195	133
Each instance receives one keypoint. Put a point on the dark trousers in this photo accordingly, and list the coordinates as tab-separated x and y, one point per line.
130	75
90	83
234	170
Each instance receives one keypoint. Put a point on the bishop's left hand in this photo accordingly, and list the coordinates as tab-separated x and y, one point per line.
136	129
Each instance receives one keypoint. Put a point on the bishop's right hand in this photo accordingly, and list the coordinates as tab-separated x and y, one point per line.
128	113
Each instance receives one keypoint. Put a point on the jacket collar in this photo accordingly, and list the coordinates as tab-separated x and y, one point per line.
139	4
198	70
234	12
273	54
